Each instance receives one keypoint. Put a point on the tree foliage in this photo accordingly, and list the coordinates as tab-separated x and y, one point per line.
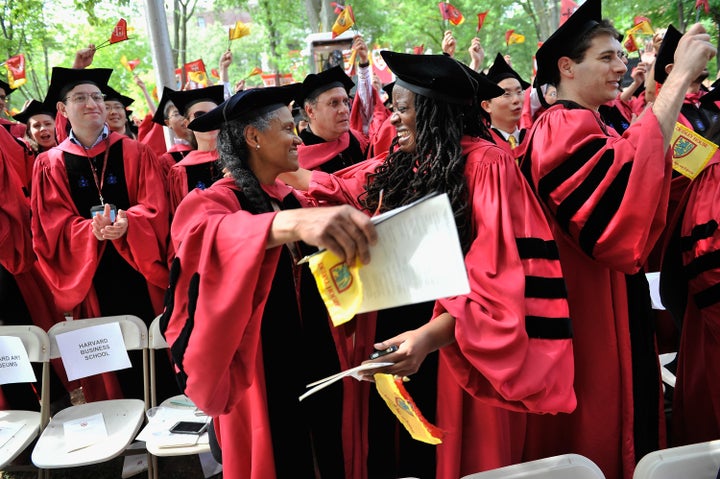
50	32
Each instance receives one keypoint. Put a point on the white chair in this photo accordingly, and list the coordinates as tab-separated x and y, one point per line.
567	466
696	461
37	344
122	417
157	439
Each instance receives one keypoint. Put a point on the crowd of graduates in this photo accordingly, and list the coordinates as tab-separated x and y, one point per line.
563	194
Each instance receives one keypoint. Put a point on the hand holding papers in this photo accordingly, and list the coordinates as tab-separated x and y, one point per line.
417	258
354	372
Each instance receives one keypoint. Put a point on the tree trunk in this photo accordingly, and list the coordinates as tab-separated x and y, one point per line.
312	8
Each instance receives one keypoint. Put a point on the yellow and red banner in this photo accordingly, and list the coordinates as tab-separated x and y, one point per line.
16	70
344	21
511	37
451	13
238	31
339	284
691	151
196	72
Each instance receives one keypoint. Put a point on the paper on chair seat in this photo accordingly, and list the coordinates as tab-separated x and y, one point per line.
85	431
178	440
8	430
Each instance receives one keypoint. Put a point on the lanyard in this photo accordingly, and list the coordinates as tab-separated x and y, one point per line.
99	182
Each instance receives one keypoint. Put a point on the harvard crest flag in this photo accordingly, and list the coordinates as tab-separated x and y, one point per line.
119	33
511	37
450	13
16	71
196	72
691	151
344	21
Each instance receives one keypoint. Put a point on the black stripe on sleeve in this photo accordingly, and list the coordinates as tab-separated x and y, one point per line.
703	263
605	209
698	233
708	297
568	168
546	288
548	328
574	201
537	248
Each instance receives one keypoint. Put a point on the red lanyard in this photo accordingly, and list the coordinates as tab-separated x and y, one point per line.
99	182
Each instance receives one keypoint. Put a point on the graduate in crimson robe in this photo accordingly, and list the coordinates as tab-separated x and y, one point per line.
111	260
167	114
24	294
198	168
689	285
246	325
17	130
507	349
605	197
329	141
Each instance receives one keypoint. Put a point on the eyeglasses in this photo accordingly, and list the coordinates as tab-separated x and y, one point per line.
174	114
82	98
115	107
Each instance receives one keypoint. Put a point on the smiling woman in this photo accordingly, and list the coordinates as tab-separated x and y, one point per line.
246	324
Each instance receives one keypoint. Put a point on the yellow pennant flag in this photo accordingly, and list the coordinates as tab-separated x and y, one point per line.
339	285
238	31
691	151
254	71
641	28
516	38
344	21
397	398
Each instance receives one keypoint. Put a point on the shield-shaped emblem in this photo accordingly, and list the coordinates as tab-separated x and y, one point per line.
683	146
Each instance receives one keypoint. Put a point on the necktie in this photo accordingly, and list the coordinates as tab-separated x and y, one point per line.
512	141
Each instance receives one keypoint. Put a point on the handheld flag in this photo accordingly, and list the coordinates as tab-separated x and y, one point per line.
630	44
511	37
690	151
419	49
214	73
16	70
639	19
344	21
567	7
254	71
481	19
704	3
196	72
130	65
451	13
397	398
119	34
238	31
643	27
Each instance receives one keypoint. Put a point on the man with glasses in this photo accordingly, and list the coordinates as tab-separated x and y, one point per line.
99	215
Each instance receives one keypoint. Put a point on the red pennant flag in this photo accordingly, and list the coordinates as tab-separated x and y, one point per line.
481	19
196	72
214	73
16	70
630	44
704	3
567	7
638	20
419	49
451	13
119	33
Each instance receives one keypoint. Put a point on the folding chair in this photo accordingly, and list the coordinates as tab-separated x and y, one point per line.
173	409
37	344
696	461
566	466
122	417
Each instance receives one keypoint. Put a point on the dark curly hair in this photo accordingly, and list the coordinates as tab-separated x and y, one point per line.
233	152
437	165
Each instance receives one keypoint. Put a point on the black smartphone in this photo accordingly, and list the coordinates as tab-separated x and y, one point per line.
189	427
383	352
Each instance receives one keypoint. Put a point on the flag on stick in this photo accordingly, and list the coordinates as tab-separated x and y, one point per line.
630	44
16	71
450	13
119	34
511	37
344	21
130	65
567	8
481	19
196	72
238	31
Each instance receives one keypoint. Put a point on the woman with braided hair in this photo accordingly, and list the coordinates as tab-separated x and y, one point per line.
246	325
505	348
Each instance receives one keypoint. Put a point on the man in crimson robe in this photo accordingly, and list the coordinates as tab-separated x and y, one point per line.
606	199
17	130
99	220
